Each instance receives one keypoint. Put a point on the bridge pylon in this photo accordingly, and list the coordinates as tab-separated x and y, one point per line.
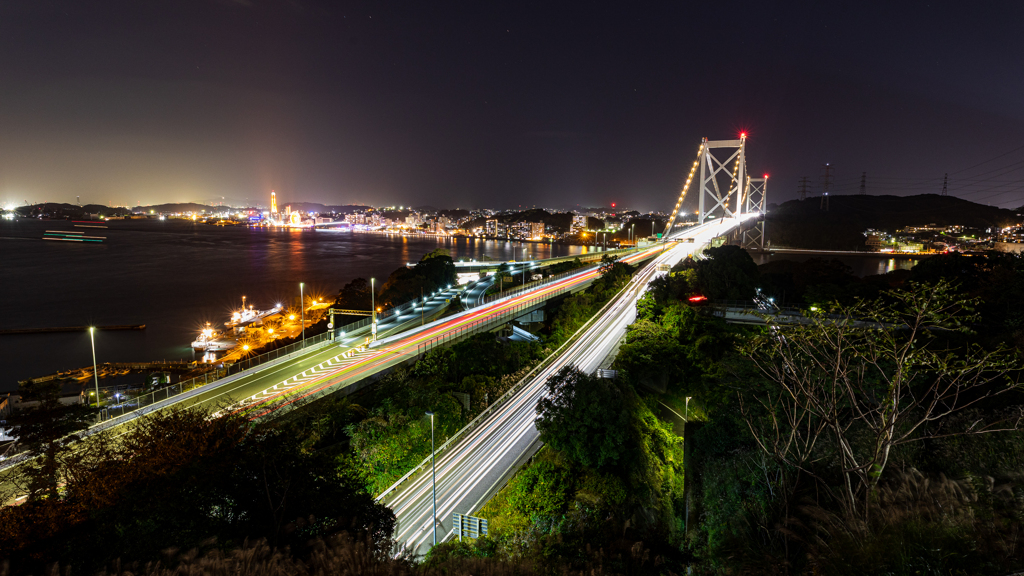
717	191
724	192
755	193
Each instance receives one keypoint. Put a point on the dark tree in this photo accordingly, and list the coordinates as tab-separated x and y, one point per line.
585	417
728	273
49	430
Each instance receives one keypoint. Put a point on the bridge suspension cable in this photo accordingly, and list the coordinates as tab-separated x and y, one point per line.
686	187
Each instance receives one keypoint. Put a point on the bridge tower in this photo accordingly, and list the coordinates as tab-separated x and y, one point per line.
712	183
756	190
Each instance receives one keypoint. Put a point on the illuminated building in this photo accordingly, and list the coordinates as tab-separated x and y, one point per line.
273	204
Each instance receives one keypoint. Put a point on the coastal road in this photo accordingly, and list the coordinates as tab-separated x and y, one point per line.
350	366
471	471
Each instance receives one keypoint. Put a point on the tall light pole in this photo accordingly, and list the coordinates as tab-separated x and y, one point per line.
632	227
373	310
302	312
95	372
433	473
687	412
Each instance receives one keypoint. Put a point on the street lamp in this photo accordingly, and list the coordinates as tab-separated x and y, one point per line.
95	372
433	473
373	309
631	228
302	309
687	412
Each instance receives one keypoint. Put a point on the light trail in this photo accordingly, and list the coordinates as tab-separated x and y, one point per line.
405	346
473	469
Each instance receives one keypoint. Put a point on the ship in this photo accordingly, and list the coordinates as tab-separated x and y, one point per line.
210	340
250	317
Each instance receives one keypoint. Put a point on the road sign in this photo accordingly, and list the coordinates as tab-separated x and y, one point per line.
469	526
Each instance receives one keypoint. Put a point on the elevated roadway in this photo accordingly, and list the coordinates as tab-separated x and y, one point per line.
473	467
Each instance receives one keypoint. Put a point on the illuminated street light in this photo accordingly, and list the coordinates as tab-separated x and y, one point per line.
95	373
302	309
433	473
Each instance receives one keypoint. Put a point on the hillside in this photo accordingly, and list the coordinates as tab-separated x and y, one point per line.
61	210
802	224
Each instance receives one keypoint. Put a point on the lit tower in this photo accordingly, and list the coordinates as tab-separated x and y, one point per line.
273	203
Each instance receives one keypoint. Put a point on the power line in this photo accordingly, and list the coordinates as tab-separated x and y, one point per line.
989	160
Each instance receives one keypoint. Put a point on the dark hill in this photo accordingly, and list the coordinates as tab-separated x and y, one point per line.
559	220
802	224
61	210
179	207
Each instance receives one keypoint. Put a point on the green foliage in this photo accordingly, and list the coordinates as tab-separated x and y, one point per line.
435	270
563	267
49	431
585	417
575	311
179	478
395	435
676	351
727	273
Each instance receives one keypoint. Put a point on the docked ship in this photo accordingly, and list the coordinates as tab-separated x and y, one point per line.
210	340
250	317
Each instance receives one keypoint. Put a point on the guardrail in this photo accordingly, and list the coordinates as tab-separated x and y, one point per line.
486	323
116	408
534	284
509	394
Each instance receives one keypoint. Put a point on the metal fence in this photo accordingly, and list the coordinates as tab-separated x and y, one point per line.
119	405
523	288
485	324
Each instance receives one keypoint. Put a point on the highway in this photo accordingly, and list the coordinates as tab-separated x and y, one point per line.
348	366
475	467
333	367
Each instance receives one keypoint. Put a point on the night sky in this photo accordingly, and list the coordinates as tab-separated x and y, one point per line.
490	104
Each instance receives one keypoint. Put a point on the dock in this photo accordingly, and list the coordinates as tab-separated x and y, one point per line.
71	329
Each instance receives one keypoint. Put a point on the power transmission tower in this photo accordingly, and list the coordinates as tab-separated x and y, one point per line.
863	182
826	185
945	181
803	188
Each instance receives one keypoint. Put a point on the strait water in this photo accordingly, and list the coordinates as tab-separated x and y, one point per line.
862	265
173	276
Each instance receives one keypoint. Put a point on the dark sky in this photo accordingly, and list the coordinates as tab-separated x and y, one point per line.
497	104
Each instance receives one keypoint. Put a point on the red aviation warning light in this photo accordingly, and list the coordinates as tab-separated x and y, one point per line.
743	134
613	204
765	176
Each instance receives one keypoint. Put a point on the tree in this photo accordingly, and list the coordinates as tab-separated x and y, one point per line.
49	431
728	273
843	391
585	417
354	296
